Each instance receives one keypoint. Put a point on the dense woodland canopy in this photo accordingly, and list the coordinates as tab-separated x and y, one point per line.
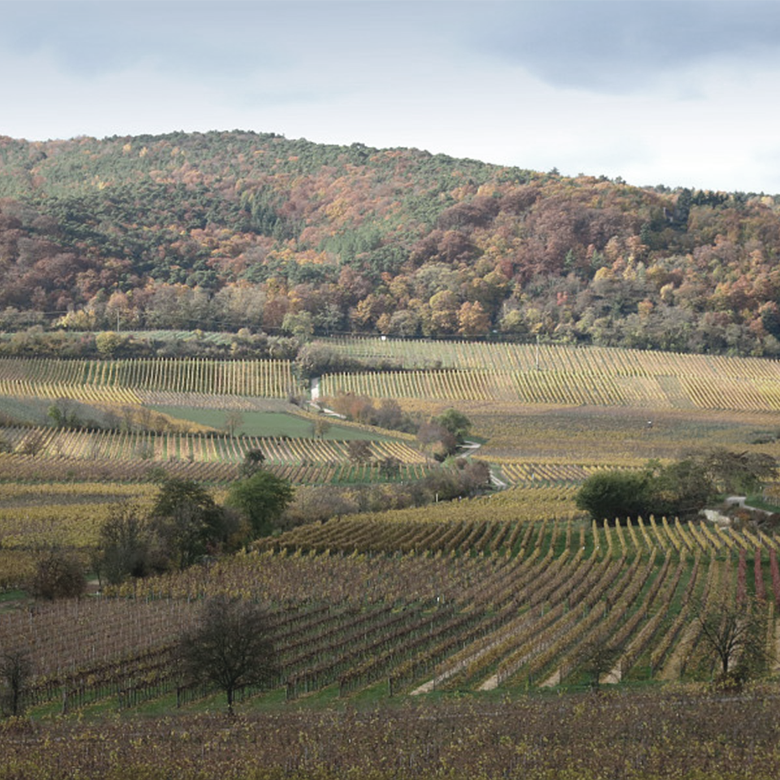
230	230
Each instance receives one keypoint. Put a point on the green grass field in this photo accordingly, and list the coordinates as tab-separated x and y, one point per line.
266	424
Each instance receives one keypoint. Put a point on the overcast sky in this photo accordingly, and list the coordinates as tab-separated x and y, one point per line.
677	92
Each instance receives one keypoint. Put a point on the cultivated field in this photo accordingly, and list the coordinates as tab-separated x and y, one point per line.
421	602
555	374
490	597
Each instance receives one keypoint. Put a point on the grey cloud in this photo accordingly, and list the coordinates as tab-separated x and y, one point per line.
92	38
614	46
226	38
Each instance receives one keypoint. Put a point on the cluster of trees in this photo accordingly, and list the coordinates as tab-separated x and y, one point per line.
185	524
229	230
441	435
386	413
35	341
316	359
318	503
679	489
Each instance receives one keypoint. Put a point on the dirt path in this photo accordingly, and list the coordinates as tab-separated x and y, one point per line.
553	680
671	670
490	684
469	448
612	677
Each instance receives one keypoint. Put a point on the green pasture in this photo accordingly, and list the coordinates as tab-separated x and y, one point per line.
267	424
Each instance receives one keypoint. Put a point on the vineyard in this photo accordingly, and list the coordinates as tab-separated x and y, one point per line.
402	607
556	374
684	734
136	456
139	441
114	378
502	598
524	358
537	407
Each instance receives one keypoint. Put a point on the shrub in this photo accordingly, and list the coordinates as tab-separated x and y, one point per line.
58	574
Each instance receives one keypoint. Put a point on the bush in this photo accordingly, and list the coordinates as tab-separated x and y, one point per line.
261	498
58	575
608	495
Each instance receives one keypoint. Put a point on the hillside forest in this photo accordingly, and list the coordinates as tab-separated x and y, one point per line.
232	230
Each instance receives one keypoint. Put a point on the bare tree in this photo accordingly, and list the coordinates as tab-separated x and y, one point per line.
735	634
321	427
15	672
597	656
124	545
233	421
230	647
359	450
32	443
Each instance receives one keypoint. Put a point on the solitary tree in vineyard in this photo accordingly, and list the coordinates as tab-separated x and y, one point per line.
735	634
15	671
230	647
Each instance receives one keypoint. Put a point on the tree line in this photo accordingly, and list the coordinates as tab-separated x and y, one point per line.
678	489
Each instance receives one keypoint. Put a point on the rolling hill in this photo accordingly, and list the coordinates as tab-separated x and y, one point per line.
230	230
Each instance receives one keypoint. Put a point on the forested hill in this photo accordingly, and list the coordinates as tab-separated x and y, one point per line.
236	229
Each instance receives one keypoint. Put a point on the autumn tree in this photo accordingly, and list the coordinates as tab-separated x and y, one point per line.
456	423
359	450
125	545
108	343
435	438
321	427
607	495
233	421
473	321
186	522
253	461
444	307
